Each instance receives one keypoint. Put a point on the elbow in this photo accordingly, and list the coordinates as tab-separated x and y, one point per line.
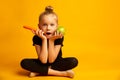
44	61
51	60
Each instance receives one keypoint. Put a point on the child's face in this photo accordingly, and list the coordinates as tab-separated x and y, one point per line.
48	25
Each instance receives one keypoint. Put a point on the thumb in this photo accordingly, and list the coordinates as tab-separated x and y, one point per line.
33	31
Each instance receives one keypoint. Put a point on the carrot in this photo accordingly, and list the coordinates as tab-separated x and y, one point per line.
29	28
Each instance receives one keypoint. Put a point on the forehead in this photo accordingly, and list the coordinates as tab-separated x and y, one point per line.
49	18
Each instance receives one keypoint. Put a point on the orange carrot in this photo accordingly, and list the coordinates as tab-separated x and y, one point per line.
29	28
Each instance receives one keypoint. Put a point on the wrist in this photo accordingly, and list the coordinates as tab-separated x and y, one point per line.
51	41
44	40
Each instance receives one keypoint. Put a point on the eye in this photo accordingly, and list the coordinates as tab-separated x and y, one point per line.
44	25
52	24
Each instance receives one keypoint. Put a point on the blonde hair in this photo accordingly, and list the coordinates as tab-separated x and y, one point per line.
48	10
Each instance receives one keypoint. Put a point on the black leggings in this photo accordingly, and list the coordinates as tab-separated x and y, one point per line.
34	65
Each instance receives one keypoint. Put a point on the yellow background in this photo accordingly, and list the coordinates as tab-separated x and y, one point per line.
92	36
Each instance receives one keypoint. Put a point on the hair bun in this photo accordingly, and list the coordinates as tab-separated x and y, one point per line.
49	9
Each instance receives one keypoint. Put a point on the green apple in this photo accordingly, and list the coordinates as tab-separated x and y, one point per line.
61	29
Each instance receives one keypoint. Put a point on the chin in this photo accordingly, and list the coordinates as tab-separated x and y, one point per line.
48	37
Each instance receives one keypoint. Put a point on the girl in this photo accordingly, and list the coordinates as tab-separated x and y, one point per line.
48	43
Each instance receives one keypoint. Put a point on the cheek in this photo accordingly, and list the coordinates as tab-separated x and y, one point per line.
55	28
43	29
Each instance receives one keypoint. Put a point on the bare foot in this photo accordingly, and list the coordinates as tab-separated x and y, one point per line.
33	74
70	73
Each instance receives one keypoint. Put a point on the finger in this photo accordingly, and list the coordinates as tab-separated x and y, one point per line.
61	34
33	31
40	32
37	32
55	33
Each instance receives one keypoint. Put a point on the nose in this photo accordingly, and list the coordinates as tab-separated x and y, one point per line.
48	27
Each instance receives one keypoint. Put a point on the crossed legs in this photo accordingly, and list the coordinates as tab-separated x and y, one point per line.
61	67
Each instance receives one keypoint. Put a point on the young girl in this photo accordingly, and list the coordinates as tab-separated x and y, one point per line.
48	43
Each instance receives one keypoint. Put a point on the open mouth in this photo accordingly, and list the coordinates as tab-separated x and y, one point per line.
48	33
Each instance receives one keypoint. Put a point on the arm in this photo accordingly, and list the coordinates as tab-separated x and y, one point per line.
53	51
42	51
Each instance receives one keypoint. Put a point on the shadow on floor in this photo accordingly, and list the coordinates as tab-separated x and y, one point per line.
22	73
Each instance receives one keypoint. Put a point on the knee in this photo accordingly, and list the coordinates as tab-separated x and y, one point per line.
23	63
74	62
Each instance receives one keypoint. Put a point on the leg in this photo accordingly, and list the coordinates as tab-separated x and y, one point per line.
62	67
68	73
65	64
34	65
59	68
33	74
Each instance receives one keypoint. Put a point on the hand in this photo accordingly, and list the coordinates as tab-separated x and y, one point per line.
40	34
57	35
